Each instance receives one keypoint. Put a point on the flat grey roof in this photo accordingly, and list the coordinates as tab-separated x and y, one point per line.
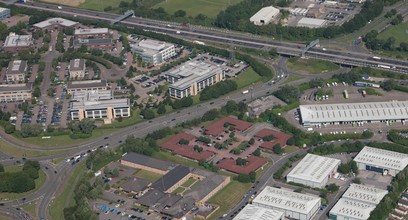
352	209
314	168
204	186
94	41
349	112
92	95
53	21
92	31
100	104
365	193
382	158
14	40
17	67
87	84
135	184
148	161
7	88
76	64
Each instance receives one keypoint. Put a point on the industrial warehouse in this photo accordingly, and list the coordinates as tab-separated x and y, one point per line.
314	171
254	212
382	161
357	202
345	113
294	205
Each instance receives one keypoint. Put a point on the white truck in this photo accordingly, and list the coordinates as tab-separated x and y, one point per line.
245	92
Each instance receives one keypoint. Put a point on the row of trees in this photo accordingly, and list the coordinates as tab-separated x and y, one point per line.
288	94
218	90
22	181
398	136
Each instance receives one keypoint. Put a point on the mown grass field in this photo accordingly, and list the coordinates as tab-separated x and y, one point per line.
399	32
312	66
210	8
247	77
228	197
98	5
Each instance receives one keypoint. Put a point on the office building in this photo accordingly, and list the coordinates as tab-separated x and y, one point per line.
92	33
97	43
87	85
77	69
54	24
153	52
15	92
192	77
15	43
16	71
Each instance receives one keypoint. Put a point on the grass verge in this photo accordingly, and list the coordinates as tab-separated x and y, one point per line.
228	197
58	205
292	78
98	5
30	208
312	66
148	175
11	150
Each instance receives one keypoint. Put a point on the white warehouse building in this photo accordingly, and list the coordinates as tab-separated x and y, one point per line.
353	112
293	205
254	212
382	161
314	171
265	16
357	203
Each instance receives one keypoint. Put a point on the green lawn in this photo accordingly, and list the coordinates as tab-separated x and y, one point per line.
38	183
135	118
399	32
189	182
247	77
228	197
100	5
62	140
11	150
58	204
210	8
30	208
290	149
179	190
292	78
312	66
148	175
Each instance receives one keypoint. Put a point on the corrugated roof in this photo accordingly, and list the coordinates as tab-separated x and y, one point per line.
343	112
254	212
382	158
314	168
364	193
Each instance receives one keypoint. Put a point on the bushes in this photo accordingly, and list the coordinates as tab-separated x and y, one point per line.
288	94
182	103
218	90
396	137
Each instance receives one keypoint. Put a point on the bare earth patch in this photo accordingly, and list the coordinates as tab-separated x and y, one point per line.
73	3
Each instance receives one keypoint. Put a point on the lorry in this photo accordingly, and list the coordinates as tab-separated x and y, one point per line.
245	91
346	96
198	42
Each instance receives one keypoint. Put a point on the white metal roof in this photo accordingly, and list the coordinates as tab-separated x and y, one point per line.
352	209
254	212
92	31
311	22
382	158
367	194
366	111
286	200
314	168
14	40
266	14
100	104
52	21
4	9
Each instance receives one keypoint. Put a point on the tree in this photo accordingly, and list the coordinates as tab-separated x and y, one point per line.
389	85
243	178
273	53
277	149
232	134
180	13
332	187
1	168
183	141
231	106
115	172
290	141
251	141
210	115
161	109
240	161
257	152
147	114
268	138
